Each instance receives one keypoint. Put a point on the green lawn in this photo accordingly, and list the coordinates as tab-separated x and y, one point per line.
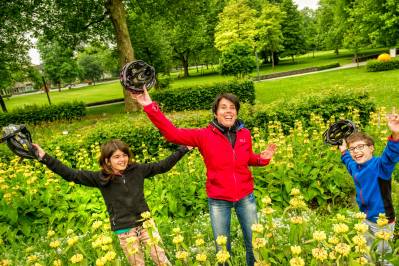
382	86
89	94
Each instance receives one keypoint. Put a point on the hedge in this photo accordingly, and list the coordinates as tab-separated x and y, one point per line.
34	114
375	65
202	97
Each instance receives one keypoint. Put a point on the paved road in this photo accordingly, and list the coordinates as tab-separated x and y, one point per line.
351	65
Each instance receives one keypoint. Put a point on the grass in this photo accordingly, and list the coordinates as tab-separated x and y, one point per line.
89	94
382	86
113	90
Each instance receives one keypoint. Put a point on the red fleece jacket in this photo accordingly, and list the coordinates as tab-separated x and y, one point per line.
228	174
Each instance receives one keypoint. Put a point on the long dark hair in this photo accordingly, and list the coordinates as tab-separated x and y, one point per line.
107	149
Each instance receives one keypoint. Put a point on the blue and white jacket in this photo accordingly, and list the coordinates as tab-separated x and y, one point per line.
373	181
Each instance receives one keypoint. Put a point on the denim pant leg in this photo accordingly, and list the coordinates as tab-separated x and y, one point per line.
247	216
220	212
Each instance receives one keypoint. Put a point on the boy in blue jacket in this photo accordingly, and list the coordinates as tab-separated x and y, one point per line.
372	177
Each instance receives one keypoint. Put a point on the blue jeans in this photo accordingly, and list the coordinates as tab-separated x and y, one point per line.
220	211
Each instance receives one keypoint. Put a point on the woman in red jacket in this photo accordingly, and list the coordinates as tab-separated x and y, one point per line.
226	147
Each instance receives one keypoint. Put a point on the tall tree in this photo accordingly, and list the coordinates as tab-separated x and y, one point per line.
236	24
269	34
58	62
310	29
292	28
74	22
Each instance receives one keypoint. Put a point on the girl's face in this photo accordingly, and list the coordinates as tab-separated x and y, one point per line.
119	161
226	114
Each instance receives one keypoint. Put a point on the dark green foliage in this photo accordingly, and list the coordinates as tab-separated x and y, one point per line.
202	97
332	105
237	60
34	114
375	65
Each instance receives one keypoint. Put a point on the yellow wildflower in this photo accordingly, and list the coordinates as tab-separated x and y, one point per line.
359	240
296	250
57	262
258	228
261	263
199	242
319	236
146	215
343	249
267	210
5	262
222	256
361	228
320	254
384	235
181	255
101	261
178	239
297	220
50	233
266	200
32	258
201	257
361	261
341	217
297	261
382	220
295	192
176	230
96	225
258	242
76	258
55	244
360	216
340	228
110	255
221	240
332	255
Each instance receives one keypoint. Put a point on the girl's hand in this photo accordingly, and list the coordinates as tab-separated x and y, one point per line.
269	152
40	151
142	98
393	124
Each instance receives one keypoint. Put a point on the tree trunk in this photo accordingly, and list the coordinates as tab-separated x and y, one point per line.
272	57
125	49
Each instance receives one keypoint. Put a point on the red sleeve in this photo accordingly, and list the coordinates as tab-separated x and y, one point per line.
182	136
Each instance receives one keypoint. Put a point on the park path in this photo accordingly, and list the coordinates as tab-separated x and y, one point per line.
351	65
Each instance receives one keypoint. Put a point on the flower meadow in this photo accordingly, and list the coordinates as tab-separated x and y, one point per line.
307	214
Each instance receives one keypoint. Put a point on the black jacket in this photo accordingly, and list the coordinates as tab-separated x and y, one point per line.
124	195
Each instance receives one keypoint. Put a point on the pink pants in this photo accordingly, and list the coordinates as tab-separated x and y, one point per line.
133	244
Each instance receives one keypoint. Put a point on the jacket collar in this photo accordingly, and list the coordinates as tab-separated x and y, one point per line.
236	127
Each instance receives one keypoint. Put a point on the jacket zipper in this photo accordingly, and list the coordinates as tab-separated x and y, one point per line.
234	162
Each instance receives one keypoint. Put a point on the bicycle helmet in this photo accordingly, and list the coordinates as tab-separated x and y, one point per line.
136	74
19	141
338	131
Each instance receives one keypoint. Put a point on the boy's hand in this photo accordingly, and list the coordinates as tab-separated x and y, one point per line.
269	152
393	124
142	98
342	148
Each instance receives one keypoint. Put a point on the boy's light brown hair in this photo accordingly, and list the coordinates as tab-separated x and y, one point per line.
359	136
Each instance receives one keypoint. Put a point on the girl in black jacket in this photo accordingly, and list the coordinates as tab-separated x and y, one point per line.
121	183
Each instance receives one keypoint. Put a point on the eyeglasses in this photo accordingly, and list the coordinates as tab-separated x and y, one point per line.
358	148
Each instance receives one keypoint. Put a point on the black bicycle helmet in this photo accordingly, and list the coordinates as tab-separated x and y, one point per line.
19	141
338	131
136	74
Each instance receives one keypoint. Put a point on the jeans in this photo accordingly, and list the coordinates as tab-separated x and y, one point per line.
220	212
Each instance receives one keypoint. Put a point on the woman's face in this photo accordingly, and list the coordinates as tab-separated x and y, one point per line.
226	113
119	161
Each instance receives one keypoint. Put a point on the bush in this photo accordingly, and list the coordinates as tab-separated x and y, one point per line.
34	114
237	60
202	97
376	65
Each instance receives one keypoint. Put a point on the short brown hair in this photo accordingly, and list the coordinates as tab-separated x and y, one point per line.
358	136
228	96
107	149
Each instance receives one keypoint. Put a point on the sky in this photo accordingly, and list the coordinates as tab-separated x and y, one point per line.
35	56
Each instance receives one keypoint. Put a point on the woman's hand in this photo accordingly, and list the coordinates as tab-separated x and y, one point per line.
142	98
40	151
393	124
269	152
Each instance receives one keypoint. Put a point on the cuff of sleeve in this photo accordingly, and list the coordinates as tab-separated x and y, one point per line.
263	161
183	148
390	138
151	107
46	158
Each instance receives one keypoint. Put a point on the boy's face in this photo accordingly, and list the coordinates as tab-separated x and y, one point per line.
360	151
